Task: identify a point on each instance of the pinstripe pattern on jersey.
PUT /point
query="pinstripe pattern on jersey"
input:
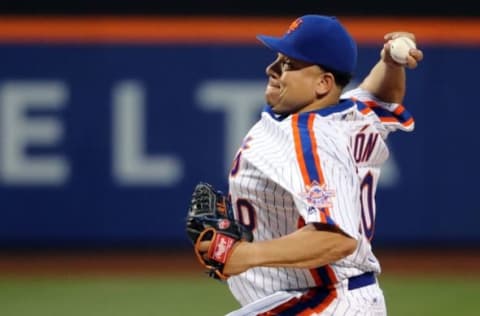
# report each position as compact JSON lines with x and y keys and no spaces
{"x":270,"y":178}
{"x":309,"y":162}
{"x":278,"y":217}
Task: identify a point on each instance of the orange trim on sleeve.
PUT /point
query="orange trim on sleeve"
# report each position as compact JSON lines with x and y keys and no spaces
{"x":395,"y":120}
{"x":399,"y":110}
{"x":366,"y":110}
{"x":239,"y":30}
{"x":408,"y":122}
{"x":370,"y":103}
{"x":389,"y":119}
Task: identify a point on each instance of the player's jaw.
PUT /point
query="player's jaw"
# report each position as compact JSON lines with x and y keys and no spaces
{"x":272,"y":92}
{"x":290,"y":95}
{"x":282,"y":99}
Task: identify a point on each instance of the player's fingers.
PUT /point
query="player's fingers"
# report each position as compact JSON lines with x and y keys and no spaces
{"x":414,"y":58}
{"x":203,"y":246}
{"x":389,"y":36}
{"x":394,"y":35}
{"x":417,"y":54}
{"x":386,"y":46}
{"x":411,"y":62}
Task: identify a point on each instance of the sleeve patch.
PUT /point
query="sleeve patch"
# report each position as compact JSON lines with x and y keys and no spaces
{"x":318,"y":195}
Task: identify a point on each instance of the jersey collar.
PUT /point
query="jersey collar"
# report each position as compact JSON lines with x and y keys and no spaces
{"x":340,"y":107}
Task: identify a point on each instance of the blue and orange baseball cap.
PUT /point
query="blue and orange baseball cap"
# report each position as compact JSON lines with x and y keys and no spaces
{"x":317,"y":39}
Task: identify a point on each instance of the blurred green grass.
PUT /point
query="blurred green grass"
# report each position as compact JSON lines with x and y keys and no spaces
{"x":122,"y":296}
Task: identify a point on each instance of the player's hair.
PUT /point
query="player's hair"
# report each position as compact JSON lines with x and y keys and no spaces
{"x":341,"y":78}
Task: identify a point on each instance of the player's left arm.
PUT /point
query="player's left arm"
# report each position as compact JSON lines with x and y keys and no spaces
{"x":311,"y":246}
{"x":387,"y":79}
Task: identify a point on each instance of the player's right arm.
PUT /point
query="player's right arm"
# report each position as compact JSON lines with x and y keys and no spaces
{"x":387,"y":79}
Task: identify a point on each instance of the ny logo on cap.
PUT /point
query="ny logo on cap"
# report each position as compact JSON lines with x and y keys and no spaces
{"x":295,"y":24}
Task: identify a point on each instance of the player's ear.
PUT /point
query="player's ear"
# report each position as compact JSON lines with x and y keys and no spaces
{"x":324,"y":83}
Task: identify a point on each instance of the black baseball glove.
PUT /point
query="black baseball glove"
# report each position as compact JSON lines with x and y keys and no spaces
{"x":210,"y":218}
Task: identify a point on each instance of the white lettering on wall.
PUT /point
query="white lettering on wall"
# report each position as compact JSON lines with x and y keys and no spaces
{"x":131,"y":165}
{"x":242,"y":103}
{"x":18,"y":131}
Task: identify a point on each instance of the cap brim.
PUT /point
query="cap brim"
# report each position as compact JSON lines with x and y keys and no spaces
{"x":274,"y":43}
{"x":279,"y":45}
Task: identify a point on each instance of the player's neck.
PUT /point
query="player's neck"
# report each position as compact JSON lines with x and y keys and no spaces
{"x":321,"y":103}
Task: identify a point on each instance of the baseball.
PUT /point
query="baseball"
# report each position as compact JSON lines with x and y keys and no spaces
{"x":400,"y":47}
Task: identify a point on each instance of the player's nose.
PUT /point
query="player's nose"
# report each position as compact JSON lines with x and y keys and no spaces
{"x":274,"y":69}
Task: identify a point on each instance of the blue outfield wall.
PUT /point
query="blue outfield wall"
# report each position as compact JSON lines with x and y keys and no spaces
{"x":101,"y":145}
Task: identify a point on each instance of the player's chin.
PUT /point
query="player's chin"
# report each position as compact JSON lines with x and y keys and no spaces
{"x":272,"y":98}
{"x":277,"y":108}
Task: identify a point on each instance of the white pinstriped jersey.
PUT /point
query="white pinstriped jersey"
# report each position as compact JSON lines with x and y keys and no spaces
{"x":315,"y":167}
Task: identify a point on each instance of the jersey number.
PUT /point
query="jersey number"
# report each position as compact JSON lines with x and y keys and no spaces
{"x":246,"y":212}
{"x":367,"y":203}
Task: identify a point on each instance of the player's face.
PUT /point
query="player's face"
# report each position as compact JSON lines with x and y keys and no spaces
{"x":291,"y":84}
